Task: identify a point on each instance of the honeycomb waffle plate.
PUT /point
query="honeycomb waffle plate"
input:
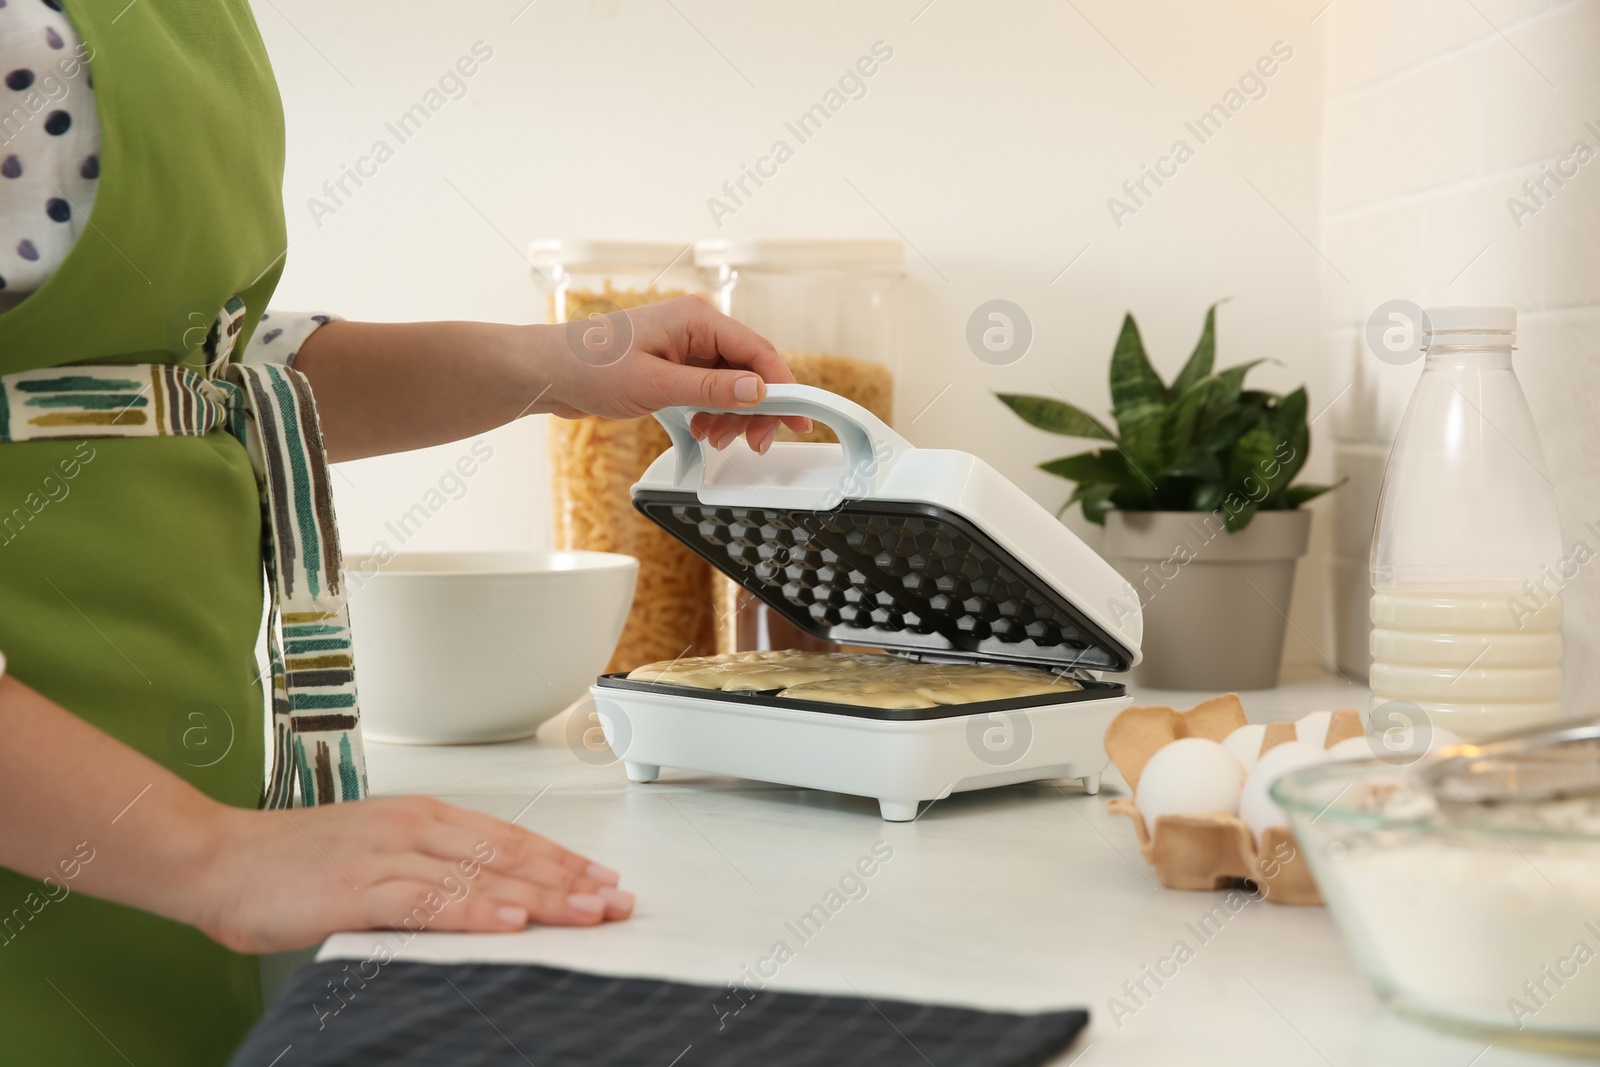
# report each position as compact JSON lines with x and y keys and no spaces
{"x":888,"y":574}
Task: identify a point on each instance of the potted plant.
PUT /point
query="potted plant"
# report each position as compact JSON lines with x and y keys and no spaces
{"x":1195,"y":490}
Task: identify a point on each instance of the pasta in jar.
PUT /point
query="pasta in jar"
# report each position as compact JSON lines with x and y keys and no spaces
{"x":593,"y":464}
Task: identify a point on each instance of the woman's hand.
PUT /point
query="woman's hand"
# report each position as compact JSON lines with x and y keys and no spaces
{"x":675,"y":352}
{"x":287,"y":879}
{"x":389,"y":387}
{"x":86,"y":813}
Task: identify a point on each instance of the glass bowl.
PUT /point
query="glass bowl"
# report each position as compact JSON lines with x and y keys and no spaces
{"x":1474,"y":914}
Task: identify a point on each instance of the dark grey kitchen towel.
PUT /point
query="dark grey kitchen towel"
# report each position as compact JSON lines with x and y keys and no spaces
{"x":467,"y":1015}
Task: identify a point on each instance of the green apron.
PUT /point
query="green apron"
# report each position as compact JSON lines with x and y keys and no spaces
{"x":130,"y":569}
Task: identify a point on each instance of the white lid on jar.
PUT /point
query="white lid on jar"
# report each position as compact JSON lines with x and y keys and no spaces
{"x":593,"y":252}
{"x":784,"y":253}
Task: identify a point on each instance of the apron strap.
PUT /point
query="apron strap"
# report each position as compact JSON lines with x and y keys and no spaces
{"x":316,"y":721}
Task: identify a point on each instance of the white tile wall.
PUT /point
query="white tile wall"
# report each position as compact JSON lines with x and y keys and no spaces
{"x":1474,"y":254}
{"x":1573,"y":239}
{"x":992,"y":151}
{"x":1425,"y":139}
{"x":1409,"y":133}
{"x":1455,"y":24}
{"x":1380,"y":251}
{"x":1357,"y":58}
{"x":1541,"y":85}
{"x":1400,"y":127}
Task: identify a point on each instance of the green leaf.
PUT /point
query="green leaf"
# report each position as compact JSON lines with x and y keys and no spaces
{"x":1096,"y":502}
{"x":1201,"y":463}
{"x":1220,"y":437}
{"x":1232,"y":380}
{"x":1206,"y":444}
{"x":1234,"y":521}
{"x":1199,"y":365}
{"x":1229,"y":406}
{"x":1077,"y":495}
{"x":1294,"y":441}
{"x":1253,"y":462}
{"x":1134,"y":382}
{"x":1136,"y":494}
{"x":1296,"y":495}
{"x":1292,"y":409}
{"x":1209,"y":497}
{"x":1103,"y":466}
{"x":1183,"y":416}
{"x":1142,"y":441}
{"x":1056,"y":416}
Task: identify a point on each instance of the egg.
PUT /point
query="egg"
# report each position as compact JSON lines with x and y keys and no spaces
{"x":1258,"y":810}
{"x":1245,"y":744}
{"x":1189,"y":776}
{"x":1351,"y":748}
{"x":1313,"y":728}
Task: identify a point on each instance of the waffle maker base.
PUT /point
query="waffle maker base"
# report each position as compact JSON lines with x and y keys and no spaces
{"x":898,"y":758}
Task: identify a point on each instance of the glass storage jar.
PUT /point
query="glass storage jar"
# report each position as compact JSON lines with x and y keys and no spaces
{"x":829,"y":307}
{"x":595,"y":461}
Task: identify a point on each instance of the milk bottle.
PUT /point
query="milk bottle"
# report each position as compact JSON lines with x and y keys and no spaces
{"x":1465,"y":557}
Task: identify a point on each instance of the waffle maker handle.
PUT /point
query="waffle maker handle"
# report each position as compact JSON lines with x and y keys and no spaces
{"x":871,"y":448}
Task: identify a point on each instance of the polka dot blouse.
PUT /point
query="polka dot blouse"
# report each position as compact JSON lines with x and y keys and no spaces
{"x":50,"y":163}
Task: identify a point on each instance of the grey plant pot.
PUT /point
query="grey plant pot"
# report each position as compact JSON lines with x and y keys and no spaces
{"x":1215,"y":604}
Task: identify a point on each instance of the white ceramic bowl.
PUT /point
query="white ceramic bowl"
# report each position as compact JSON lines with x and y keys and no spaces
{"x":465,"y":647}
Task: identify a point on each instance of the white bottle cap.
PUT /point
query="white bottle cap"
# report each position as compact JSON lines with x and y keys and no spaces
{"x":1472,"y":324}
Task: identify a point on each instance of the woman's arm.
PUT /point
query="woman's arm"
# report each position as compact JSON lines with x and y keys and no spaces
{"x":391,"y":387}
{"x":86,"y":813}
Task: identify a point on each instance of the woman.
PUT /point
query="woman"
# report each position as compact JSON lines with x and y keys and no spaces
{"x":131,"y":539}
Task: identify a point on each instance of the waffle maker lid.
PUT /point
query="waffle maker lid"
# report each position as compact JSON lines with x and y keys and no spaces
{"x":875,"y":542}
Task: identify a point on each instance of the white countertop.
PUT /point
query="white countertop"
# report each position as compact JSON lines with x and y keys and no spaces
{"x":1021,"y":898}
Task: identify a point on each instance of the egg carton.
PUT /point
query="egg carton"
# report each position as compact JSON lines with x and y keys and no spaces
{"x":1213,"y":850}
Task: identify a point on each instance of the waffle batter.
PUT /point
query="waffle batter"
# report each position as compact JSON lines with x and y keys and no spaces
{"x":757,"y":671}
{"x":926,"y":685}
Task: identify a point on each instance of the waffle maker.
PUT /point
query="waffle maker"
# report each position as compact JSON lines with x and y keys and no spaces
{"x":929,"y":554}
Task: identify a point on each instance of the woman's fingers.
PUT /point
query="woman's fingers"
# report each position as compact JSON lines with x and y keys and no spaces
{"x":714,"y":334}
{"x":717,"y":361}
{"x":450,"y":859}
{"x":500,"y":833}
{"x":725,"y":388}
{"x":418,"y":906}
{"x":524,"y":853}
{"x":722,"y":429}
{"x":739,"y":346}
{"x":760,"y":431}
{"x":557,"y":907}
{"x":725,"y":429}
{"x":490,"y":902}
{"x":415,"y":906}
{"x":404,"y":863}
